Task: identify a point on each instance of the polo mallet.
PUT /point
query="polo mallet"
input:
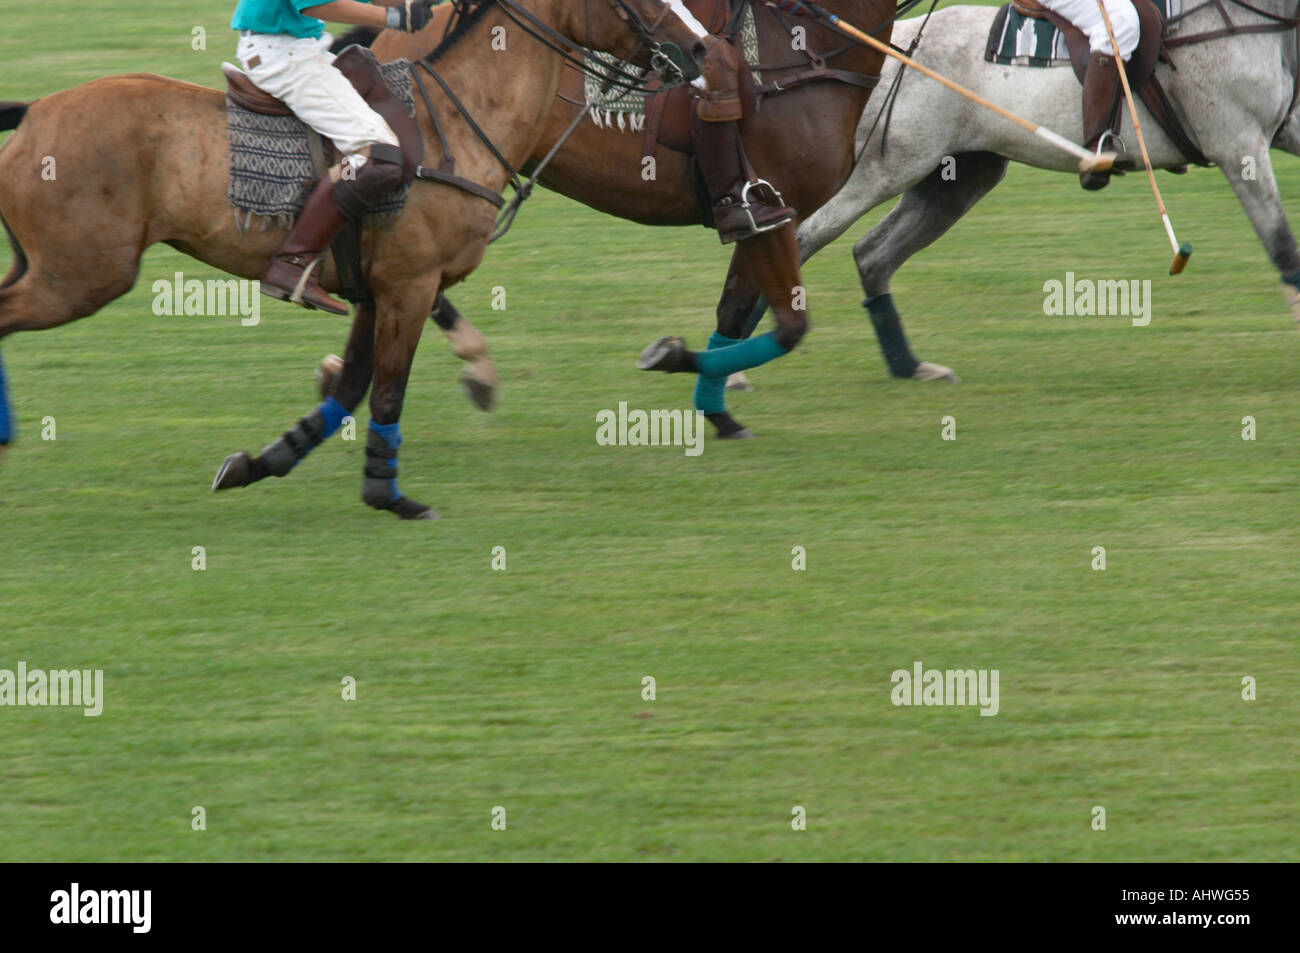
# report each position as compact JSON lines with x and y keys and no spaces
{"x":1181,"y":252}
{"x":1088,"y":161}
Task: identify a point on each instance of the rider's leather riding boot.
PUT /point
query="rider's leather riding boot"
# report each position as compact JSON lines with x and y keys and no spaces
{"x":331,"y":205}
{"x":743,"y":206}
{"x":1102,"y":97}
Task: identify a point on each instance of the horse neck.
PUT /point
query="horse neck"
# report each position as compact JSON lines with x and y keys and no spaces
{"x":866,"y":15}
{"x":507,"y":92}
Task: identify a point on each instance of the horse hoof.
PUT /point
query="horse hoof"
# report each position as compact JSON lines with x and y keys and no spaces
{"x":480,"y":393}
{"x":925,"y":371}
{"x":728,"y":427}
{"x":667,"y":354}
{"x":234,"y":471}
{"x":331,"y":366}
{"x":738,"y":381}
{"x":407,"y":509}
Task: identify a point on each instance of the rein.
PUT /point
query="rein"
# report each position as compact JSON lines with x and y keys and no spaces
{"x":1276,"y":24}
{"x":661,"y":62}
{"x":818,"y":70}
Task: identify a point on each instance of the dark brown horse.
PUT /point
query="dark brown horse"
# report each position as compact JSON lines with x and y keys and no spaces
{"x":800,"y":138}
{"x":143,"y":159}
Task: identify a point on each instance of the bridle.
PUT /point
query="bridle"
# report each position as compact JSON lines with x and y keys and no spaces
{"x":666,"y":59}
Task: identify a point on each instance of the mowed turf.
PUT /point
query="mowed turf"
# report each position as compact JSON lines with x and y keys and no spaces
{"x":523,"y":689}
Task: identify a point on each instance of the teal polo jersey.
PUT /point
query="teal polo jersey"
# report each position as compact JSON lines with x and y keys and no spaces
{"x":279,"y":16}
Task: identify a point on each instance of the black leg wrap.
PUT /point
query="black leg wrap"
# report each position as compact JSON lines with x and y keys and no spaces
{"x":283,"y":455}
{"x":376,"y":488}
{"x":889,"y":331}
{"x":444,"y":314}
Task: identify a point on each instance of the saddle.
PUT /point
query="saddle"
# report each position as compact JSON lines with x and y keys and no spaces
{"x":1140,"y":67}
{"x":668,"y":112}
{"x":361,"y":68}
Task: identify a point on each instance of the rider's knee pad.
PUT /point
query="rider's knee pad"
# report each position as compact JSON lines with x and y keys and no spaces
{"x":382,"y":173}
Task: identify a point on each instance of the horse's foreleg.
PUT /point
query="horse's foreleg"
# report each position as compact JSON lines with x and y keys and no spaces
{"x":925,"y":212}
{"x":479,"y":379}
{"x":770,"y":263}
{"x":1262,"y":203}
{"x":397,"y":334}
{"x":343,"y":392}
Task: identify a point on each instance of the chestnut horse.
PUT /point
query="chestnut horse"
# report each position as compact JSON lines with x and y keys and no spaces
{"x":800,"y":138}
{"x":143,"y":159}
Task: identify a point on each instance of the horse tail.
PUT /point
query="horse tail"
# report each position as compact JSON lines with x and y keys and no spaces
{"x":357,"y":36}
{"x":11,"y":114}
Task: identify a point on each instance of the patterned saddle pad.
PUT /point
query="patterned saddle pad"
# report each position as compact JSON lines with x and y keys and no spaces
{"x":624,"y":110}
{"x":275,"y":160}
{"x":1018,"y":40}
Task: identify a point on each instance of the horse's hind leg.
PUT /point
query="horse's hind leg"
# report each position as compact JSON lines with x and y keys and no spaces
{"x":343,"y":392}
{"x":49,"y":284}
{"x":925,"y":212}
{"x":1262,"y":203}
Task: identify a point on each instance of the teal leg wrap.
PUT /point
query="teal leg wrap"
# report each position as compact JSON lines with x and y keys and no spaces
{"x":724,"y":361}
{"x":711,"y":392}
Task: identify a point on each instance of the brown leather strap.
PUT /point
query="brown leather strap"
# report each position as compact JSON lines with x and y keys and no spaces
{"x":460,"y":182}
{"x":654,"y":117}
{"x":861,"y":80}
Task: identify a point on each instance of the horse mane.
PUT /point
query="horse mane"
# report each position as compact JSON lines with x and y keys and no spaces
{"x":357,"y":36}
{"x":464,"y":23}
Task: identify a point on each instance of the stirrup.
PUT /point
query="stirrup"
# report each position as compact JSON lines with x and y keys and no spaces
{"x":1118,"y":148}
{"x":296,"y":296}
{"x":754,"y":228}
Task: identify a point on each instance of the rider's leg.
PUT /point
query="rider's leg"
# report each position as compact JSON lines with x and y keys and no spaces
{"x":300,"y":72}
{"x":740,"y":209}
{"x":1102,"y":93}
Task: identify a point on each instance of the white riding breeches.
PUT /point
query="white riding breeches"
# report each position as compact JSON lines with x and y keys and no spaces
{"x":301,"y":73}
{"x":1085,"y":15}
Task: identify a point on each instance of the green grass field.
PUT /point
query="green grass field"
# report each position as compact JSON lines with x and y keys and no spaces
{"x":522,"y":689}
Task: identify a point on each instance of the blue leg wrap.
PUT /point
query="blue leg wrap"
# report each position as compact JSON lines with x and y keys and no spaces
{"x":6,"y":418}
{"x":711,"y":392}
{"x":725,"y":361}
{"x":391,"y":436}
{"x":332,"y":413}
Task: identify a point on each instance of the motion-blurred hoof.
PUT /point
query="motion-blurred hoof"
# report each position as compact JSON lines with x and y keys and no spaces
{"x":233,"y":472}
{"x":743,"y":433}
{"x":925,"y":371}
{"x":738,"y":381}
{"x":331,"y":366}
{"x":407,"y":509}
{"x":667,"y":354}
{"x":480,"y":393}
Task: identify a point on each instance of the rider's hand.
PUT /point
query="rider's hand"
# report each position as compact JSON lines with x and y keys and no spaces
{"x":412,"y":16}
